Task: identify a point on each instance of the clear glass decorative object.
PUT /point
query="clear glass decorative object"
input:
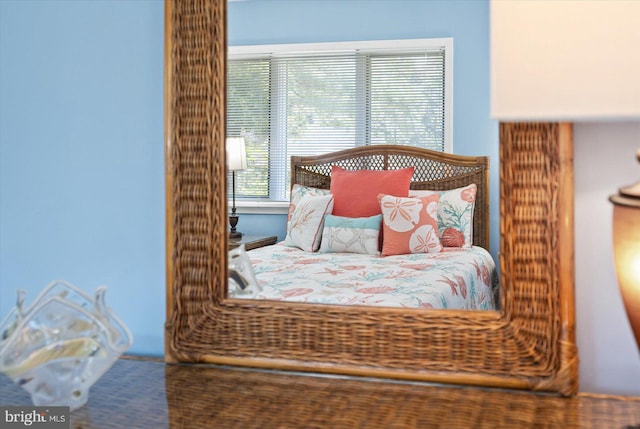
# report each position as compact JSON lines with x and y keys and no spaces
{"x":242,"y":278}
{"x":61,"y":344}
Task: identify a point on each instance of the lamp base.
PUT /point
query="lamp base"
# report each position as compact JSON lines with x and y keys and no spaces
{"x":626,"y":250}
{"x":233,"y":221}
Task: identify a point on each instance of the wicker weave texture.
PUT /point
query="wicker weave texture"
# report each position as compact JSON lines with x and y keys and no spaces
{"x":196,"y":171}
{"x":248,"y":399}
{"x":529,"y":344}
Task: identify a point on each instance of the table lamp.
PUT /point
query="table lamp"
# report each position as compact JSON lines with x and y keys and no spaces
{"x":575,"y":61}
{"x":236,"y":161}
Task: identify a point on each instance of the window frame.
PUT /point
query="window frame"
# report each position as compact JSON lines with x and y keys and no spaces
{"x":239,"y":52}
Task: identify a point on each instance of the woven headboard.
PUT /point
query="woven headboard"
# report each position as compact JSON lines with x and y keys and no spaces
{"x":433,"y":170}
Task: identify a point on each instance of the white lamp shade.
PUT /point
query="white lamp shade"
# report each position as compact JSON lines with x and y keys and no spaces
{"x":236,"y":154}
{"x":565,"y":60}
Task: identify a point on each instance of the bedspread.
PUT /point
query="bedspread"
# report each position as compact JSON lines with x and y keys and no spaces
{"x":452,"y":279}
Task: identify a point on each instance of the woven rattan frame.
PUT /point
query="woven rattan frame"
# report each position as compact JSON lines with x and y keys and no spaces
{"x":530,"y":344}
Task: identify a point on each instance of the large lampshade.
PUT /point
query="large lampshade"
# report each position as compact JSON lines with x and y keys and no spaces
{"x":564,"y":60}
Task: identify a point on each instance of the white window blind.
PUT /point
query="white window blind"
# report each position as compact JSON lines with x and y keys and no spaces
{"x":316,"y":101}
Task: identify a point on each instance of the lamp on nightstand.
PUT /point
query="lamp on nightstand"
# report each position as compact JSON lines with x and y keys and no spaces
{"x":236,"y":161}
{"x":626,"y":249}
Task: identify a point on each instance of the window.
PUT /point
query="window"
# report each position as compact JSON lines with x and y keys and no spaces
{"x":312,"y":99}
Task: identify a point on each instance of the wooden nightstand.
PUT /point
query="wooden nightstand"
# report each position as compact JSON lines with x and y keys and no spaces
{"x":253,"y":241}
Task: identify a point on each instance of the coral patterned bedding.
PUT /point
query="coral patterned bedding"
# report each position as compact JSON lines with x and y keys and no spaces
{"x":455,"y":278}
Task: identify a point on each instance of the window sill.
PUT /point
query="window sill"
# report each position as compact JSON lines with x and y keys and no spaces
{"x":261,"y":207}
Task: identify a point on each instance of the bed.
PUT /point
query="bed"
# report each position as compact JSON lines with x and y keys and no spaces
{"x":383,"y":225}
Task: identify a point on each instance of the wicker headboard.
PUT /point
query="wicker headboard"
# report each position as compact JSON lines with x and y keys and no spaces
{"x":433,"y":170}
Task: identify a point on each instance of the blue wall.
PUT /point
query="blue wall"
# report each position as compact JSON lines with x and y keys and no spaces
{"x":81,"y":155}
{"x":81,"y":131}
{"x":288,"y":21}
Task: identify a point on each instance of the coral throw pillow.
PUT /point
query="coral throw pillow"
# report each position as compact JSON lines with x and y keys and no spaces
{"x":355,"y":192}
{"x":455,"y":214}
{"x":410,"y":225}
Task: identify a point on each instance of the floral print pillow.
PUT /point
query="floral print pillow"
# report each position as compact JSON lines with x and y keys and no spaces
{"x":410,"y":225}
{"x":455,"y":214}
{"x":304,"y":229}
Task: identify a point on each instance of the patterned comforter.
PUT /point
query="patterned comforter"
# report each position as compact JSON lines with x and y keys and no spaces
{"x":452,"y":279}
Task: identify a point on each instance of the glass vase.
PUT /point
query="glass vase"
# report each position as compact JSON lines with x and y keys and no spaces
{"x":59,"y":346}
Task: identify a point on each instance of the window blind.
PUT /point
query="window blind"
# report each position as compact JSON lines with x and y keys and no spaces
{"x":314,"y":103}
{"x":248,"y":115}
{"x":406,"y":105}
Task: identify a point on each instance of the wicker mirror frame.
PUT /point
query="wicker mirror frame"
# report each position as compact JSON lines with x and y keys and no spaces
{"x":529,"y":344}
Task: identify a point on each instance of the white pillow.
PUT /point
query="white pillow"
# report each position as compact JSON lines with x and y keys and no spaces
{"x":351,"y":234}
{"x":298,"y":192}
{"x":304,"y":229}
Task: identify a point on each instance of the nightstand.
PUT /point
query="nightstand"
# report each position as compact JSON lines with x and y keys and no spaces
{"x":253,"y":241}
